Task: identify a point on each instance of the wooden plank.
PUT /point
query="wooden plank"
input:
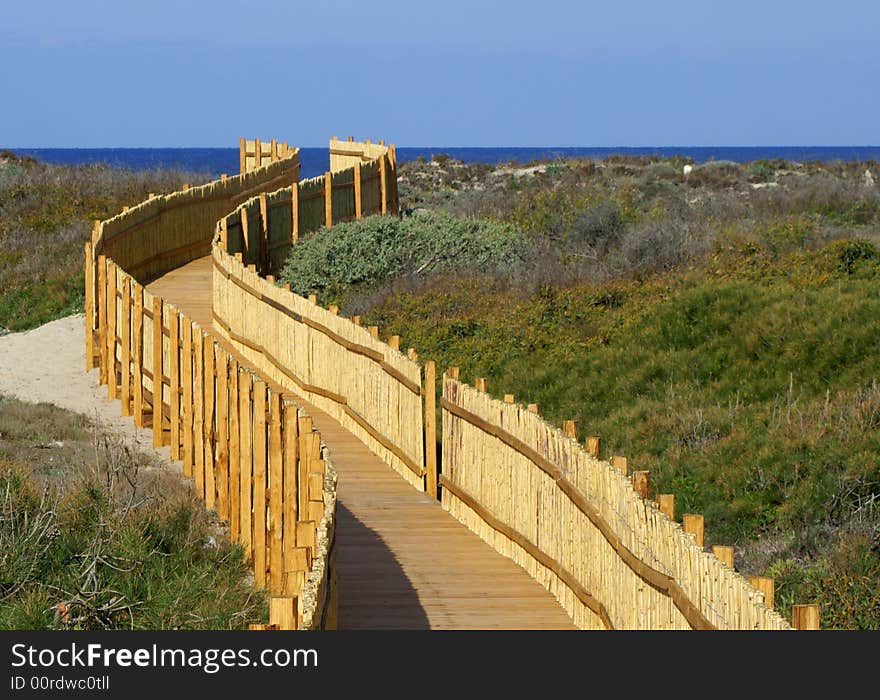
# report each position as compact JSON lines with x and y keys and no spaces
{"x":383,"y":184}
{"x":102,"y":317}
{"x":277,"y":494}
{"x":358,"y":208}
{"x":137,"y":355}
{"x":304,"y":457}
{"x":282,"y":612}
{"x":112,"y":379}
{"x":176,"y":409}
{"x":198,"y":421}
{"x":291,"y":476}
{"x":431,"y":471}
{"x":245,"y":474}
{"x":242,"y":156}
{"x":158,"y":369}
{"x":234,"y":452}
{"x":259,"y":478}
{"x":125,"y":335}
{"x":210,"y":383}
{"x":186,"y":390}
{"x":328,"y":199}
{"x":221,"y":365}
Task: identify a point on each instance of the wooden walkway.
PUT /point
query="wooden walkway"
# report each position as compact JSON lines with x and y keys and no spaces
{"x":403,"y":562}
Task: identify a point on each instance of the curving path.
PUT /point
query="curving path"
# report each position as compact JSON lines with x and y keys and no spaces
{"x":403,"y":562}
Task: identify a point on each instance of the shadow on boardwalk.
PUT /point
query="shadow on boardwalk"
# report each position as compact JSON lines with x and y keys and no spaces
{"x":374,"y":591}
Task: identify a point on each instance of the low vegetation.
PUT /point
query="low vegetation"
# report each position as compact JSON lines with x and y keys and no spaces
{"x":717,"y":328}
{"x":96,"y":536}
{"x":46,"y":214}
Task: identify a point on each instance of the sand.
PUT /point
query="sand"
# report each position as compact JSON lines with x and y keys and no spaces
{"x":47,"y":365}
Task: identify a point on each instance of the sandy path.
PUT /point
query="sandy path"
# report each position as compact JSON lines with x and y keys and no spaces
{"x":47,"y":365}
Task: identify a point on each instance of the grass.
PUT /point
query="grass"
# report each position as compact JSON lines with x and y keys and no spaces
{"x":96,"y":536}
{"x":45,"y":218}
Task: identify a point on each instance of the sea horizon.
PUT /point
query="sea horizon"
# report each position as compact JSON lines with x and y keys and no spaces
{"x":215,"y":161}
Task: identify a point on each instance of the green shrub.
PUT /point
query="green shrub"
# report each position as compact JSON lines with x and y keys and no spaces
{"x":374,"y":249}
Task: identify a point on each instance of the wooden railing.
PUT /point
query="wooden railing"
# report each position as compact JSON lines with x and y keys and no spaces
{"x":252,"y":453}
{"x":611,"y":557}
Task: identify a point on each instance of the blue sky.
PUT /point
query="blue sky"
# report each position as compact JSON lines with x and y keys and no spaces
{"x":97,"y":73}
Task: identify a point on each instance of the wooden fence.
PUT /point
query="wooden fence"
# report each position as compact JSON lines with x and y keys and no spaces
{"x":611,"y":556}
{"x":368,"y":385}
{"x":361,"y":182}
{"x":252,"y":454}
{"x":255,"y":154}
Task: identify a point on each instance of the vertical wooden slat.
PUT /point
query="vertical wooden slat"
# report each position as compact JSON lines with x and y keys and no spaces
{"x":259,"y":489}
{"x":291,"y":461}
{"x":242,"y":156}
{"x":328,"y":199}
{"x":282,"y":612}
{"x":223,"y":408}
{"x":358,"y":207}
{"x":383,"y":184}
{"x":157,"y":369}
{"x":174,"y":350}
{"x":245,"y":474}
{"x":137,"y":355}
{"x":431,"y":428}
{"x":264,"y":235}
{"x":111,"y":331}
{"x":277,"y":494}
{"x":198,"y":420}
{"x":294,"y":213}
{"x":210,"y":381}
{"x":234,"y":452}
{"x":102,"y":316}
{"x":186,"y":388}
{"x":258,"y":154}
{"x":125,"y":342}
{"x":304,"y":456}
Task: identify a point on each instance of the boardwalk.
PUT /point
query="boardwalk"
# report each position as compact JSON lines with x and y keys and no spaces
{"x":403,"y":562}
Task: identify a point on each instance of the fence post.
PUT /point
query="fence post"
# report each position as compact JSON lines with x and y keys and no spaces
{"x":234,"y":452}
{"x":210,"y":381}
{"x":221,"y":365}
{"x":593,"y":445}
{"x":621,"y":464}
{"x":158,"y":382}
{"x":245,"y":474}
{"x":641,"y":481}
{"x":294,"y":212}
{"x":260,"y":448}
{"x":282,"y":612}
{"x":534,"y":408}
{"x":666,"y":501}
{"x":694,"y":525}
{"x":328,"y":199}
{"x":137,"y":337}
{"x":242,"y":155}
{"x":383,"y":185}
{"x":111,"y":330}
{"x":290,"y":437}
{"x":305,"y":454}
{"x":264,"y":235}
{"x":102,"y":317}
{"x":394,"y":342}
{"x":570,"y":428}
{"x":277,"y":494}
{"x":125,"y":334}
{"x":724,"y":553}
{"x":767,"y":586}
{"x":174,"y":350}
{"x":358,"y":206}
{"x":258,"y":153}
{"x":431,"y":428}
{"x":186,"y":386}
{"x":805,"y":617}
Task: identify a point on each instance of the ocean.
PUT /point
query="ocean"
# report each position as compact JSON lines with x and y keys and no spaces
{"x":215,"y":161}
